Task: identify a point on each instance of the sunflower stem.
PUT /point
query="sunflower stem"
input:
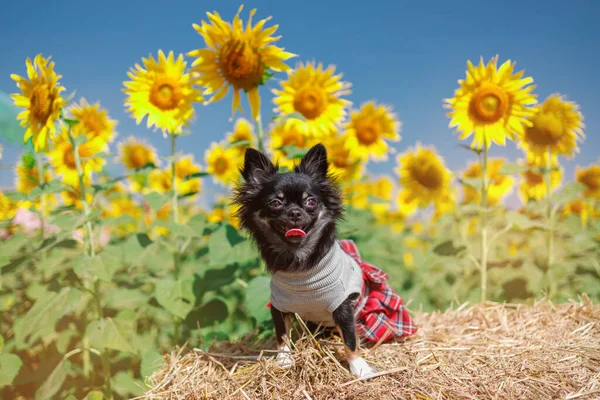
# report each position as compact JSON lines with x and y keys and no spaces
{"x":42,"y":179}
{"x":260,"y":133}
{"x":175,"y":207}
{"x":484,"y":231}
{"x":549,"y":213}
{"x":92,"y":252}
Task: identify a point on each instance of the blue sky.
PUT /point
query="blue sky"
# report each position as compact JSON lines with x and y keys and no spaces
{"x":405,"y":54}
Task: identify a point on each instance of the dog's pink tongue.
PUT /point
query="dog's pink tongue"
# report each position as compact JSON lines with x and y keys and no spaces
{"x":295,"y":232}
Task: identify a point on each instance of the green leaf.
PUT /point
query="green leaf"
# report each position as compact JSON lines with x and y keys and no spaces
{"x":195,"y":175}
{"x":476,"y":151}
{"x":447,"y":248}
{"x":176,"y":296}
{"x":120,"y":220}
{"x":151,"y":361}
{"x":70,"y":122}
{"x":7,"y":301}
{"x":67,"y":222}
{"x":521,"y":221}
{"x":104,"y":334}
{"x":102,"y":267}
{"x":156,"y":200}
{"x":145,"y":167}
{"x":293,"y":115}
{"x":474,"y":183}
{"x":94,"y":395}
{"x":12,"y":247}
{"x":197,"y":224}
{"x":239,"y":143}
{"x":120,"y":298}
{"x":512,"y":169}
{"x":257,"y":296}
{"x":46,"y":188}
{"x":293,"y":151}
{"x":47,"y":310}
{"x":16,"y":196}
{"x":54,"y":382}
{"x":126,"y":386}
{"x":1,"y":343}
{"x":10,"y":364}
{"x":568,"y":193}
{"x":226,"y":247}
{"x":177,"y":229}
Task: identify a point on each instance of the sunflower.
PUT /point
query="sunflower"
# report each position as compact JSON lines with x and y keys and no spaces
{"x":316,"y":93}
{"x":342,"y":165}
{"x":557,"y":127}
{"x":27,"y":175}
{"x":396,"y":218}
{"x":367,"y":130}
{"x":120,"y":206}
{"x":283,"y":135}
{"x":163,"y":91}
{"x":533,"y":182}
{"x":243,"y":131}
{"x":579,"y":207}
{"x":224,"y":211}
{"x":223,"y":164}
{"x":590,"y":177}
{"x":492,"y":103}
{"x":62,"y":158}
{"x":499,"y":185}
{"x":236,"y":57}
{"x":135,"y":153}
{"x":161,"y":180}
{"x":445,"y":204}
{"x":8,"y":207}
{"x":41,"y":99}
{"x":94,"y":121}
{"x":422,"y":173}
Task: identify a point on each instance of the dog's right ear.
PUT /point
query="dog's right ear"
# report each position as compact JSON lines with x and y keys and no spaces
{"x":257,"y":167}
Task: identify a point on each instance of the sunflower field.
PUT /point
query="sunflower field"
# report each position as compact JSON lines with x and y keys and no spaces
{"x":102,"y":274}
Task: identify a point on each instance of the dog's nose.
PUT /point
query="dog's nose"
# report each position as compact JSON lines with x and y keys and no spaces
{"x":294,"y":214}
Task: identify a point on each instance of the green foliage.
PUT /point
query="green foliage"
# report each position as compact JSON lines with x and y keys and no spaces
{"x":70,"y":313}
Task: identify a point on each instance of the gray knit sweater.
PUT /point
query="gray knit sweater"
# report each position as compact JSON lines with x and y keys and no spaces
{"x":315,"y":293}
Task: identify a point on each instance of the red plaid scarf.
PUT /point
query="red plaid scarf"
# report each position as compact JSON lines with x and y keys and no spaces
{"x":383,"y":316}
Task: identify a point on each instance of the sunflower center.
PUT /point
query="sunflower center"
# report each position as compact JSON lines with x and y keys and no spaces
{"x":489,"y":104}
{"x":221,"y":165}
{"x":533,"y":178}
{"x":165,"y":95}
{"x":367,"y":132}
{"x":69,"y":158}
{"x":590,"y":181}
{"x":310,"y":103}
{"x":241,"y":64}
{"x":547,"y":129}
{"x":41,"y":103}
{"x":93,"y":126}
{"x":428,"y":176}
{"x":138,"y":157}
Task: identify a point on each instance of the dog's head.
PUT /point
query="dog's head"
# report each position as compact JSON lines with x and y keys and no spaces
{"x":291,"y":216}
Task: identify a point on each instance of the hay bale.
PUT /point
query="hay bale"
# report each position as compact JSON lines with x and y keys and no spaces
{"x":487,"y":351}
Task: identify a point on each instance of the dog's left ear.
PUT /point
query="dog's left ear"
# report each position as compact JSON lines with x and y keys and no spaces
{"x":257,"y":167}
{"x":314,"y":162}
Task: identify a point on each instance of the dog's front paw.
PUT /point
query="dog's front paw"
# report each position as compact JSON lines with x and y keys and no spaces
{"x":284,"y":360}
{"x":360,"y":368}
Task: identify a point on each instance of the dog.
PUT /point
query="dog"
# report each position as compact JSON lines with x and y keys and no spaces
{"x":291,"y":217}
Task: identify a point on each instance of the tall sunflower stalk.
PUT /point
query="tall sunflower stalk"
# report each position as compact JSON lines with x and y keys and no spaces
{"x":175,"y":206}
{"x":40,"y":167}
{"x":549,"y":213}
{"x":89,"y":240}
{"x":484,"y":228}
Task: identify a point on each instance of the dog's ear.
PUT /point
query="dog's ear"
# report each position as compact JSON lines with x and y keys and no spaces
{"x":257,"y":167}
{"x":314,"y":162}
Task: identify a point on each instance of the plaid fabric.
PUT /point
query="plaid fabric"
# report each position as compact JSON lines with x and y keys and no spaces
{"x":383,"y":316}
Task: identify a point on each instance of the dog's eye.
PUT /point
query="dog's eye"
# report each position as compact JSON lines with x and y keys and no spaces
{"x":310,"y":202}
{"x":275,"y":204}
